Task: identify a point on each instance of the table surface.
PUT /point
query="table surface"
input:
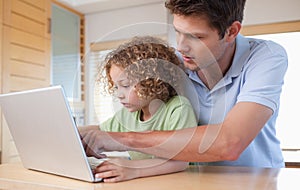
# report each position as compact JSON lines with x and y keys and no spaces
{"x":15,"y":176}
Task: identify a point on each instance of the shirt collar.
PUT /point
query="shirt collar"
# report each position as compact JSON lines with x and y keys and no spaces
{"x":242,"y":52}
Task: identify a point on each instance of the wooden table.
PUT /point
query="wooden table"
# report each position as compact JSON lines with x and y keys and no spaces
{"x":14,"y":176}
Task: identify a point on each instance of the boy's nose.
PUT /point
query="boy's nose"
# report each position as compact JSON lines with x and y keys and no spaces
{"x":120,"y":95}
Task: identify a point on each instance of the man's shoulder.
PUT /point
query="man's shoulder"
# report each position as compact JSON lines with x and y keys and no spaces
{"x":266,"y":46}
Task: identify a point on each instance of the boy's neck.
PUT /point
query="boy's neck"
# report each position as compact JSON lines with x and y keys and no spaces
{"x":148,"y":111}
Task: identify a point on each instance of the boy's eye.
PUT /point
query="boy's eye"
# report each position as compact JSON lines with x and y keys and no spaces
{"x":125,"y":86}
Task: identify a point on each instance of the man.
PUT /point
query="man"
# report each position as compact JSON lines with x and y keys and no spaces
{"x":238,"y":81}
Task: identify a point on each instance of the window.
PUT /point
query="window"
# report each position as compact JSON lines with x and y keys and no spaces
{"x":288,"y":35}
{"x":288,"y":116}
{"x":99,"y":107}
{"x":65,"y":40}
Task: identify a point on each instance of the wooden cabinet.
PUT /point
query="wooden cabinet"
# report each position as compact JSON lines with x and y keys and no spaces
{"x":1,"y":21}
{"x":24,"y":54}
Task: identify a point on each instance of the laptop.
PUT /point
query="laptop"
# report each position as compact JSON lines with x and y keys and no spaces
{"x":45,"y":134}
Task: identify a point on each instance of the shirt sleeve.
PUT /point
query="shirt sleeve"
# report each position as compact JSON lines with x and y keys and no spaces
{"x":182,"y":115}
{"x":113,"y":124}
{"x":263,"y":80}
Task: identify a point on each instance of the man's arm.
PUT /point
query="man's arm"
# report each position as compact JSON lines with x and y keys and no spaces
{"x":225,"y":141}
{"x":88,"y":127}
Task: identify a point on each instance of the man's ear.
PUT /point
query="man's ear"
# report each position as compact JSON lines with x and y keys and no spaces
{"x":233,"y":31}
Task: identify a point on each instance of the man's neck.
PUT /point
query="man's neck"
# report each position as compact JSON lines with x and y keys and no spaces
{"x":211,"y":75}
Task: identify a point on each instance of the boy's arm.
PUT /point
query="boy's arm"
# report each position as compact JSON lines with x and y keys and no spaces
{"x":121,"y":170}
{"x":160,"y":166}
{"x":88,"y":127}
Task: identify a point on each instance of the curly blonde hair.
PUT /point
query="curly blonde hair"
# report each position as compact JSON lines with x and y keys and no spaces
{"x":149,"y":63}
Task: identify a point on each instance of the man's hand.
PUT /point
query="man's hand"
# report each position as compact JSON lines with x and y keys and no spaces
{"x":96,"y":141}
{"x":92,"y":143}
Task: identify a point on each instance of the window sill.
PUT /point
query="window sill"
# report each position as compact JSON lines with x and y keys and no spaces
{"x":292,"y":158}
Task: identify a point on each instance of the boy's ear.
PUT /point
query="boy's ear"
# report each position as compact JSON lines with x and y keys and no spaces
{"x":233,"y":31}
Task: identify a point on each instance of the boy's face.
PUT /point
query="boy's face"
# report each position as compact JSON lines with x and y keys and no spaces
{"x":125,"y":91}
{"x":199,"y":43}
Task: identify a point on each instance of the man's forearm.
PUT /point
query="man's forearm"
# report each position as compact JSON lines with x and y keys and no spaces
{"x":219,"y":142}
{"x":166,"y":144}
{"x":178,"y":145}
{"x":190,"y":144}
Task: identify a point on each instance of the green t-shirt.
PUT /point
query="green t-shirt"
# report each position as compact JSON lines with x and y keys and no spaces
{"x":177,"y":113}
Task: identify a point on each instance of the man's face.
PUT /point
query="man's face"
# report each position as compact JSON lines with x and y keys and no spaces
{"x":199,"y":43}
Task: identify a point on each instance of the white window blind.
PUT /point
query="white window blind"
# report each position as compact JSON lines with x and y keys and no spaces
{"x":65,"y":72}
{"x":100,"y":106}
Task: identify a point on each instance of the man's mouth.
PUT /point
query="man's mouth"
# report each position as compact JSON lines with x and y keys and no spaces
{"x":186,"y":58}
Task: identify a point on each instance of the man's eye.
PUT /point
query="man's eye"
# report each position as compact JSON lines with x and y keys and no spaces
{"x":193,"y":36}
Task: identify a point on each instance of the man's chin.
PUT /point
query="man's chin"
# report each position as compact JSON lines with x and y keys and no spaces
{"x":191,"y":66}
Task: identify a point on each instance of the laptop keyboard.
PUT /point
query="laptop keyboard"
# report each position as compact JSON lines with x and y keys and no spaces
{"x":94,"y":162}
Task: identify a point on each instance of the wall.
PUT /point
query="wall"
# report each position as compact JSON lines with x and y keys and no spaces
{"x":25,"y":60}
{"x":119,"y":24}
{"x":270,"y":11}
{"x":124,"y":23}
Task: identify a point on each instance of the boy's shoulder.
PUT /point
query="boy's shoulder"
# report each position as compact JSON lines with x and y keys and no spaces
{"x":179,"y":98}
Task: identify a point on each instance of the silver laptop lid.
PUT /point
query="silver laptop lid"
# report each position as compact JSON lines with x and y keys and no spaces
{"x":44,"y":132}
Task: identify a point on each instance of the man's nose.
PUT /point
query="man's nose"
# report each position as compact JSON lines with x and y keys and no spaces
{"x":182,"y":45}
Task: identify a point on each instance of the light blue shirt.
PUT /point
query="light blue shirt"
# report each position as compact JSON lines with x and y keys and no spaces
{"x":256,"y":75}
